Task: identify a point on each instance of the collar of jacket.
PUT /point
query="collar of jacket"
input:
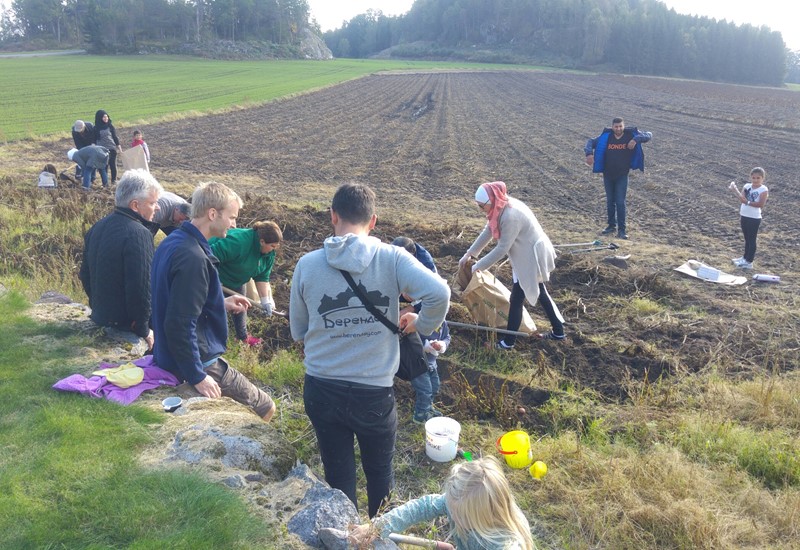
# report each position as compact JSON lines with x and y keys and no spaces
{"x":135,"y":216}
{"x":189,"y":228}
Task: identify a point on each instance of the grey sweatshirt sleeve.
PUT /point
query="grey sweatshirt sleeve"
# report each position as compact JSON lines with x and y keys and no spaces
{"x":298,"y":309}
{"x":420,"y":283}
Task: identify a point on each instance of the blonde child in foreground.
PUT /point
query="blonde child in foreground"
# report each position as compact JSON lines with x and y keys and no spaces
{"x":478,"y":502}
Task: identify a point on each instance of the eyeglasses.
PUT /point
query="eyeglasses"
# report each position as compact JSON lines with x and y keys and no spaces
{"x":481,"y":205}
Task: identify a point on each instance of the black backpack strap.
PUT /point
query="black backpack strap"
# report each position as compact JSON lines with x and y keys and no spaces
{"x":367,"y":304}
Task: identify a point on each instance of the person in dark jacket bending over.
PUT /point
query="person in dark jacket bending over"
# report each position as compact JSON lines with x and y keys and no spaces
{"x":83,"y":136}
{"x":614,"y":153}
{"x":117,"y":255}
{"x":191,"y":328}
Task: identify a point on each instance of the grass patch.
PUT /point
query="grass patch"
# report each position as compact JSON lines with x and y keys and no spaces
{"x":42,"y":95}
{"x":69,"y":473}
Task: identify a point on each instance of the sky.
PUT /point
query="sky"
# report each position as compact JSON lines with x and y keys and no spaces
{"x":779,"y":15}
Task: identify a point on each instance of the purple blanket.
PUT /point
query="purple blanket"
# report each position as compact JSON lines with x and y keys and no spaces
{"x":98,"y":386}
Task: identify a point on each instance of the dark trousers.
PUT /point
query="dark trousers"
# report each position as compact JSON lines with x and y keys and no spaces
{"x":516,"y":302}
{"x":112,"y":163}
{"x":340,"y":410}
{"x":240,"y":319}
{"x":616,"y":190}
{"x":750,"y":231}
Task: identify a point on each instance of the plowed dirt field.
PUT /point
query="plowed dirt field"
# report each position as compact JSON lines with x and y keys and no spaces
{"x":424,"y":141}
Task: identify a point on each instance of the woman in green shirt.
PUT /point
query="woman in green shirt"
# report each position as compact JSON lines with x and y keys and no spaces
{"x":244,"y":254}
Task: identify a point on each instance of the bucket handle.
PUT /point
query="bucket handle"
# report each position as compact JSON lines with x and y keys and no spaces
{"x":500,"y":449}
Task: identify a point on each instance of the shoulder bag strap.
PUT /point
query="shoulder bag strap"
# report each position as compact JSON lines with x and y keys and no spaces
{"x":367,"y":304}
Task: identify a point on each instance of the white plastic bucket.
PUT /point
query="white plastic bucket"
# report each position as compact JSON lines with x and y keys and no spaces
{"x":441,"y":438}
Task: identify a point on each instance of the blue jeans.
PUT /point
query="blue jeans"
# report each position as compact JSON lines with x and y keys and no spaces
{"x":616,"y":189}
{"x":88,"y":176}
{"x":339,"y":410}
{"x":426,"y":386}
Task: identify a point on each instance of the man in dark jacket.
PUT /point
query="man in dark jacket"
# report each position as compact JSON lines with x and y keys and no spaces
{"x":614,"y":153}
{"x":189,"y":320}
{"x":117,"y":256}
{"x":82,"y":135}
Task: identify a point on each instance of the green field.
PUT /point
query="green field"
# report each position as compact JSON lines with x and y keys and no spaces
{"x":45,"y":95}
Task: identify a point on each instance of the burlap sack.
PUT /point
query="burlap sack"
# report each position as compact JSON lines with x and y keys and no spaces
{"x":464,"y":275}
{"x":487,"y":300}
{"x":133,"y":158}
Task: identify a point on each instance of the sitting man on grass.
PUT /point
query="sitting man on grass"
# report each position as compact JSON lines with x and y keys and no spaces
{"x":117,"y":254}
{"x":189,"y":318}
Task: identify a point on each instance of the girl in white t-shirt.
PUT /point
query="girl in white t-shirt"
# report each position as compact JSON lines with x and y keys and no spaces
{"x":753,"y":197}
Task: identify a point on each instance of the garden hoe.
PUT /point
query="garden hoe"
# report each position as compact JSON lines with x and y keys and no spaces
{"x":593,"y":243}
{"x":253,"y":303}
{"x":488,"y":329}
{"x":609,"y":246}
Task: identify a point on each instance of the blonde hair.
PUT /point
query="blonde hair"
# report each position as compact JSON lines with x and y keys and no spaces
{"x":480,"y":501}
{"x":212,"y":195}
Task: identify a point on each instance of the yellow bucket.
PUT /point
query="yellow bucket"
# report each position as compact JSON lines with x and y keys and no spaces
{"x":516,"y":449}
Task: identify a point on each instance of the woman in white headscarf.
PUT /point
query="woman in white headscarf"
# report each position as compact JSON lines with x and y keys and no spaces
{"x":520,"y":236}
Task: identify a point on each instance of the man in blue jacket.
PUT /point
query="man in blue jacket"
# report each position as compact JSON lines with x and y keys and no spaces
{"x":189,"y":320}
{"x":614,"y":153}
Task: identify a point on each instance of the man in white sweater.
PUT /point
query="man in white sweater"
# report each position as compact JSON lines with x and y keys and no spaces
{"x":350,"y":356}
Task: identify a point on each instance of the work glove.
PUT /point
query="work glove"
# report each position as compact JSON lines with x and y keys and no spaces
{"x":266,"y":306}
{"x":427,"y":348}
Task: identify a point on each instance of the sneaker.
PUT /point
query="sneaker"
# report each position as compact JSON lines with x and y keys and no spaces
{"x":502,"y":345}
{"x":252,"y":341}
{"x":622,"y":235}
{"x":609,"y":230}
{"x":746,"y":265}
{"x":550,"y":336}
{"x":427,"y":415}
{"x":738,"y":261}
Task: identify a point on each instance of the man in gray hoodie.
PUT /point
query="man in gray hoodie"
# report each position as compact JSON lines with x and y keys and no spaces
{"x":350,"y":356}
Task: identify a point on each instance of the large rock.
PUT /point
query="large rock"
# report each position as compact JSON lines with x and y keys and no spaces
{"x":225,"y":440}
{"x":313,"y":46}
{"x":310,"y":505}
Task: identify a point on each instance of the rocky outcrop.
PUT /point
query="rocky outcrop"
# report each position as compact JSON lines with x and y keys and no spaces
{"x":312,"y":46}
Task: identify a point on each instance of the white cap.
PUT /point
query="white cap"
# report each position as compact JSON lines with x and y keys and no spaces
{"x":71,"y":153}
{"x":481,"y":195}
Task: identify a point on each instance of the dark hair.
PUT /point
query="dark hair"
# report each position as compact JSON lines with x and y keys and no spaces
{"x":408,"y":244}
{"x":617,"y":120}
{"x":759,"y":170}
{"x":354,"y":203}
{"x":269,"y":232}
{"x":50,"y":168}
{"x":137,"y":132}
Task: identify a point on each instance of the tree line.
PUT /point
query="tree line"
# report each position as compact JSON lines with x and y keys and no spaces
{"x":121,"y":25}
{"x":632,"y":36}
